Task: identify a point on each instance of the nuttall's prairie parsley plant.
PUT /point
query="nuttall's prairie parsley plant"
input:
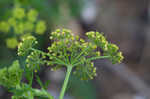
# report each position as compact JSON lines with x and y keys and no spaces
{"x":70,"y":51}
{"x":21,"y":23}
{"x":67,"y":50}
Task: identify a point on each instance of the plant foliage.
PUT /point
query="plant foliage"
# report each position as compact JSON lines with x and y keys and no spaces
{"x":68,"y":51}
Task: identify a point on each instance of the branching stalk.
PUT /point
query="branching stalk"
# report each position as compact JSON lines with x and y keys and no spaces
{"x":69,"y":69}
{"x":92,"y":58}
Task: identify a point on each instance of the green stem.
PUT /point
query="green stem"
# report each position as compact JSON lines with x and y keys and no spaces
{"x":58,"y":60}
{"x":80,"y":55}
{"x":92,"y":58}
{"x":31,"y":79}
{"x":98,"y":57}
{"x":69,"y":69}
{"x":33,"y":49}
{"x":42,"y":92}
{"x":65,"y":54}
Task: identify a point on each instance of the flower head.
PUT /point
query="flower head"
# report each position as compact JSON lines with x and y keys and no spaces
{"x":18,"y":12}
{"x":32,"y":15}
{"x":11,"y":42}
{"x":25,"y":46}
{"x":40,"y":27}
{"x":108,"y":49}
{"x":70,"y":49}
{"x":4,"y":26}
{"x":22,"y":22}
{"x":34,"y":60}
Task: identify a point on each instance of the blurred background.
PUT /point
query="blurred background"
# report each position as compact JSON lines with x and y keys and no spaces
{"x":124,"y":22}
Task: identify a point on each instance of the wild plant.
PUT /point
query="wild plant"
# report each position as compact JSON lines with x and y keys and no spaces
{"x":66,"y":51}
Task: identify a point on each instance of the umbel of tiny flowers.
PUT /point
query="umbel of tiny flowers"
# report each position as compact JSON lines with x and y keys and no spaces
{"x":20,"y":24}
{"x":72,"y":52}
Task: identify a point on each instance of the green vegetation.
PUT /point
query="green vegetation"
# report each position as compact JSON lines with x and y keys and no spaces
{"x":67,"y":51}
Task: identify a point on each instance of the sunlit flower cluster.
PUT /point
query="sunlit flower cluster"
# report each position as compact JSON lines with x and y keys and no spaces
{"x":12,"y":42}
{"x":22,"y":22}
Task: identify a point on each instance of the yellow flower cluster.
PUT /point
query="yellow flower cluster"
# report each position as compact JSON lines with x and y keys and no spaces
{"x":71,"y":49}
{"x":68,"y":50}
{"x":26,"y":44}
{"x":20,"y":23}
{"x":11,"y":42}
{"x":109,"y":49}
